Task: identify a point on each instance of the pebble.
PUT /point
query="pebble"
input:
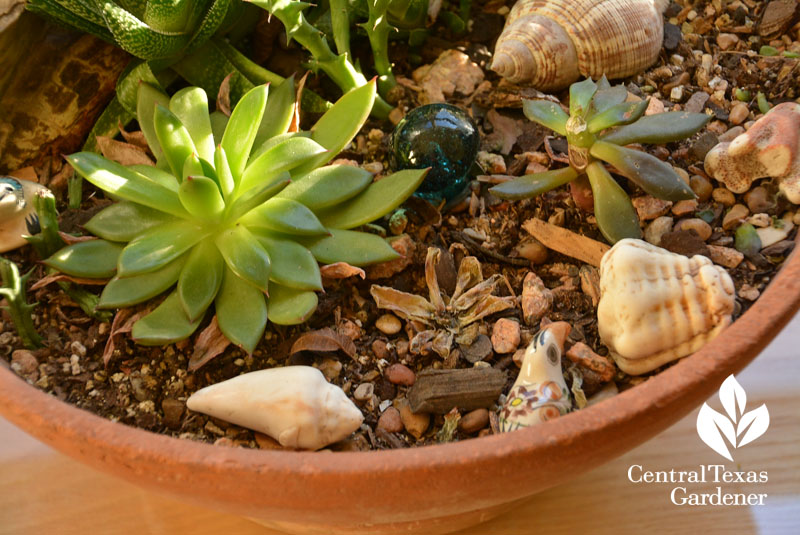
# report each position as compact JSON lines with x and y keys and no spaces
{"x":685,"y":207}
{"x":672,"y":36}
{"x":758,"y":200}
{"x":738,"y":113}
{"x":701,"y":187}
{"x":364,"y":391}
{"x":388,"y":324}
{"x":725,"y":256}
{"x":536,"y":299}
{"x":702,"y":145}
{"x":75,"y":364}
{"x":748,"y":292}
{"x":491,"y":163}
{"x":727,"y":41}
{"x":684,"y":242}
{"x":731,"y":134}
{"x":724,"y":196}
{"x":759,"y":220}
{"x":25,"y":364}
{"x":478,"y":350}
{"x":400,"y":374}
{"x":330,"y":368}
{"x":648,"y":207}
{"x":390,"y":420}
{"x":173,"y":411}
{"x":474,"y":421}
{"x":700,"y":227}
{"x":657,"y":228}
{"x":697,"y":102}
{"x":505,"y":336}
{"x":676,"y":94}
{"x":735,"y":216}
{"x":519,"y":356}
{"x":416,"y":423}
{"x":772,"y":235}
{"x":381,"y":350}
{"x":654,"y":107}
{"x":532,"y":250}
{"x":350,"y":329}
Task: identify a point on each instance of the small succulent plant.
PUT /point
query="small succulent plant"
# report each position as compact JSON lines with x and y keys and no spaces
{"x":238,"y":219}
{"x":600,"y":122}
{"x":13,"y":291}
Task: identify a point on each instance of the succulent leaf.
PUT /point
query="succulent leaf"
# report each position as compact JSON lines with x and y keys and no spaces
{"x":658,"y":128}
{"x":292,"y":264}
{"x":224,"y":175}
{"x":147,"y":99}
{"x":128,"y":291}
{"x":285,"y":215}
{"x":255,"y":197}
{"x":278,"y":113}
{"x":210,"y":23}
{"x":535,"y":184}
{"x":158,"y":246}
{"x":546,"y":113}
{"x":124,"y":221}
{"x":620,"y":114}
{"x":200,"y":279}
{"x":159,"y":176}
{"x":580,"y":97}
{"x":190,"y":105}
{"x":241,"y":311}
{"x":608,"y":97}
{"x":201,"y":197}
{"x":355,"y":248}
{"x":377,"y":200}
{"x":616,"y":217}
{"x":92,"y":259}
{"x":283,"y":157}
{"x":137,"y":38}
{"x":651,"y":174}
{"x":164,"y":325}
{"x":242,"y":129}
{"x":327,"y":186}
{"x":245,"y":256}
{"x":174,"y":139}
{"x":167,"y":15}
{"x":290,"y":306}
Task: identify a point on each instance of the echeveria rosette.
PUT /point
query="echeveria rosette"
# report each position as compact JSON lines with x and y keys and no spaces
{"x":239,"y":220}
{"x":599,"y":123}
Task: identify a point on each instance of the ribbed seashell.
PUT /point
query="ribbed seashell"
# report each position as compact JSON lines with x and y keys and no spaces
{"x":657,"y":306}
{"x":539,"y":394}
{"x":295,"y":405}
{"x":16,"y":211}
{"x":551,"y":43}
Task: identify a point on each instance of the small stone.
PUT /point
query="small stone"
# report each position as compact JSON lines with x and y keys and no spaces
{"x":380,"y":349}
{"x":590,"y":283}
{"x":478,"y":350}
{"x":536,"y":299}
{"x":648,"y":207}
{"x":173,"y":412}
{"x":696,"y":102}
{"x":654,"y":107}
{"x":77,"y":348}
{"x":726,"y":41}
{"x":684,"y":242}
{"x":672,"y":36}
{"x":396,"y":115}
{"x":774,"y":234}
{"x":25,"y":364}
{"x":388,"y":324}
{"x":266,"y":442}
{"x":330,"y":368}
{"x":759,"y":200}
{"x":739,"y":113}
{"x":474,"y":421}
{"x":676,"y":94}
{"x":532,"y":250}
{"x":657,"y":228}
{"x":748,"y":292}
{"x":400,"y":374}
{"x":416,"y":423}
{"x":505,"y":335}
{"x":518,"y":357}
{"x":685,"y":207}
{"x":601,"y":367}
{"x":701,"y":187}
{"x":735,"y":216}
{"x":782,"y":248}
{"x":491,"y":163}
{"x":724,"y":196}
{"x":75,"y":364}
{"x":390,"y":420}
{"x":364,"y":392}
{"x":700,"y":227}
{"x":760,"y":220}
{"x":731,"y":134}
{"x":702,"y":145}
{"x":725,"y":256}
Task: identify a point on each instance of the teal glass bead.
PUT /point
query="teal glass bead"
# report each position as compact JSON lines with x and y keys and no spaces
{"x":442,"y":137}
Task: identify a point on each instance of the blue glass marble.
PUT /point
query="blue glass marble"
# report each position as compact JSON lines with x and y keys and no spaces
{"x":439,"y":136}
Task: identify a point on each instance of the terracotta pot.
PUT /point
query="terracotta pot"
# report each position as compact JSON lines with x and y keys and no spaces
{"x":434,"y":489}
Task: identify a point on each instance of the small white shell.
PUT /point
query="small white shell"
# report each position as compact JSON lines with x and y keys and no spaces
{"x":657,"y":306}
{"x":16,"y":205}
{"x":295,"y":405}
{"x":539,"y":394}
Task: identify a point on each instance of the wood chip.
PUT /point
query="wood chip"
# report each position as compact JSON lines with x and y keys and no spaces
{"x":438,"y":391}
{"x":567,"y":242}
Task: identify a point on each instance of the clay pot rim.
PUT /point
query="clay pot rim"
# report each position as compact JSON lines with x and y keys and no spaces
{"x":703,"y":371}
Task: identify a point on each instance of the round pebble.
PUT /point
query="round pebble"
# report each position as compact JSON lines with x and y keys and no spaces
{"x":758,"y":200}
{"x":24,"y":362}
{"x":400,"y":374}
{"x":532,"y":250}
{"x":655,"y":230}
{"x":390,"y":420}
{"x":505,"y":335}
{"x":739,"y":113}
{"x":734,"y":216}
{"x":724,"y":196}
{"x":364,"y":391}
{"x":474,"y":421}
{"x":700,"y":227}
{"x":388,"y":324}
{"x":701,"y":186}
{"x":380,"y":349}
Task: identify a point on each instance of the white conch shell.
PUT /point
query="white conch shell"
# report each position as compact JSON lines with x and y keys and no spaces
{"x":16,"y":205}
{"x":295,"y":405}
{"x":551,"y":43}
{"x":657,"y":306}
{"x":539,"y":394}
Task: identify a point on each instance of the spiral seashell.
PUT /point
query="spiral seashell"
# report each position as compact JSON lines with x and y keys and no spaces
{"x":657,"y":306}
{"x":539,"y":394}
{"x":295,"y":405}
{"x":551,"y":43}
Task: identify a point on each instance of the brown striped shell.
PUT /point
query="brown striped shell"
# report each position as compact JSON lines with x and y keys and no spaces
{"x":551,"y":43}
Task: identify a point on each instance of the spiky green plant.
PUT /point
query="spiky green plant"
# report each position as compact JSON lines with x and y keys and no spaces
{"x":220,"y":216}
{"x":13,"y":290}
{"x":599,"y":124}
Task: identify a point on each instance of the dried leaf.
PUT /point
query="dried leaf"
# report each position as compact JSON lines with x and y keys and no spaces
{"x":452,"y":72}
{"x":25,"y":173}
{"x":294,"y":126}
{"x":123,"y":323}
{"x":432,"y":281}
{"x":506,"y":130}
{"x":421,"y":341}
{"x":341,"y":270}
{"x":55,"y":277}
{"x":210,"y":343}
{"x":69,"y":239}
{"x":134,"y":138}
{"x":224,"y":96}
{"x":448,"y":430}
{"x":324,"y":340}
{"x":407,"y":306}
{"x":577,"y":390}
{"x":486,"y":307}
{"x":442,"y":343}
{"x":469,"y":274}
{"x":123,"y":153}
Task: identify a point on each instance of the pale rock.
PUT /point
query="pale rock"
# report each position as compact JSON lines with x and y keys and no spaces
{"x":657,"y":228}
{"x":505,"y":336}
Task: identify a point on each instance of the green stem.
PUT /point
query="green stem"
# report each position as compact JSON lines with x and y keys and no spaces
{"x":340,"y":20}
{"x":378,"y":29}
{"x":20,"y":311}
